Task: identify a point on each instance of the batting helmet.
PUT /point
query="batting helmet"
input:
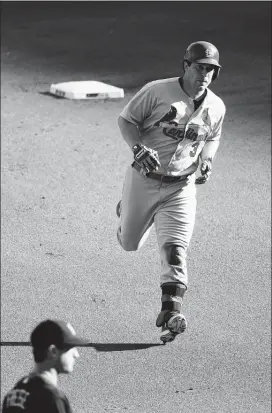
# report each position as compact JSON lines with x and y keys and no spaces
{"x":203,"y":52}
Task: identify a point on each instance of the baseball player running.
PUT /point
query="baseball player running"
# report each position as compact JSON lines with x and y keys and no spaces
{"x":173,"y":126}
{"x":54,"y":348}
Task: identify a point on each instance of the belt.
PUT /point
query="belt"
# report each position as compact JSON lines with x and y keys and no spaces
{"x":160,"y":177}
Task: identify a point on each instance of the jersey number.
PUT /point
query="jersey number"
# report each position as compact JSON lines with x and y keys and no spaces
{"x":194,"y":149}
{"x":17,"y":398}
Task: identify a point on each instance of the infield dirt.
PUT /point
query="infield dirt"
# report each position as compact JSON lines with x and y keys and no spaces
{"x":63,"y":164}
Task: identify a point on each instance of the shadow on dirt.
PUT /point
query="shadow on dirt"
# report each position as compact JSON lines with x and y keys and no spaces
{"x":107,"y":347}
{"x":50,"y":95}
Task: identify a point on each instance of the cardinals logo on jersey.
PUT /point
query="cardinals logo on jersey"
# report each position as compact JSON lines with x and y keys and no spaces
{"x":206,"y":117}
{"x":200,"y":131}
{"x":171,"y":121}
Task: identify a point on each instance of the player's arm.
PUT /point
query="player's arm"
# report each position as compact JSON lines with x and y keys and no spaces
{"x":130,"y":120}
{"x":209,"y":150}
{"x":129,"y":131}
{"x":58,"y":406}
{"x":134,"y":114}
{"x":206,"y":159}
{"x":145,"y":157}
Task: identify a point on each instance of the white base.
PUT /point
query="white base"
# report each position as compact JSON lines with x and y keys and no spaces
{"x":86,"y":90}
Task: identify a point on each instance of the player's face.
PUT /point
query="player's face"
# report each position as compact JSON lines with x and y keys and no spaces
{"x":67,"y":360}
{"x":200,"y":75}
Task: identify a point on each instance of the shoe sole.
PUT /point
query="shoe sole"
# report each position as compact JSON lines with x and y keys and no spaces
{"x":167,"y":336}
{"x":175,"y":326}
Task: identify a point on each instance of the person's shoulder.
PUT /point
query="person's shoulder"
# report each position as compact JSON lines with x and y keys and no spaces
{"x":160,"y":83}
{"x":215,"y":100}
{"x":47,"y":388}
{"x":31,"y":380}
{"x":17,"y":398}
{"x":34,"y":383}
{"x":165,"y":81}
{"x":36,"y":395}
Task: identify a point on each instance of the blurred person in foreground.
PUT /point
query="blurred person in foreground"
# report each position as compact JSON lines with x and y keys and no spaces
{"x":54,"y":344}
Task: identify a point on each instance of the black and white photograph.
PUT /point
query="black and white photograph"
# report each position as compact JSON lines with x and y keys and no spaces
{"x":135,"y":206}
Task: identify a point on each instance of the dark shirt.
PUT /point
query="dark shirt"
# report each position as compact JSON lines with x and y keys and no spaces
{"x":32,"y":394}
{"x":198,"y":102}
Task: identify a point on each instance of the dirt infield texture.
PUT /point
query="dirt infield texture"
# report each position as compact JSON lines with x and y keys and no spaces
{"x":63,"y":164}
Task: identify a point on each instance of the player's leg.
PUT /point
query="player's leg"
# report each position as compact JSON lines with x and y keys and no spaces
{"x":136,"y":210}
{"x":170,"y":318}
{"x":174,"y":223}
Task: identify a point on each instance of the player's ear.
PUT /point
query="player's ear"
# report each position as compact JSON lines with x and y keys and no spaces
{"x":53,"y":352}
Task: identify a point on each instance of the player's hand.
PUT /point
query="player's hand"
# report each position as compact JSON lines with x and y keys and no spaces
{"x":146,"y":158}
{"x":206,"y":170}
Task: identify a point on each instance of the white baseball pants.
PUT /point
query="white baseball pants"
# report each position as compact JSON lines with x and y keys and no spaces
{"x":171,"y":207}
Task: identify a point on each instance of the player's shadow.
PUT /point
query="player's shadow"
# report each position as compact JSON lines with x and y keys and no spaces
{"x":102,"y":347}
{"x":47,"y":93}
{"x":122,"y":346}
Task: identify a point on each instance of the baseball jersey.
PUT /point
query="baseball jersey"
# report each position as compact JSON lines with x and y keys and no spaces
{"x":32,"y":394}
{"x":168,"y":123}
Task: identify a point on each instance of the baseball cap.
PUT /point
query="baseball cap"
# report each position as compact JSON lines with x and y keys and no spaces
{"x":56,"y":332}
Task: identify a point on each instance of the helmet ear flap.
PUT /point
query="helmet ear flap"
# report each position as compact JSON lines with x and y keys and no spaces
{"x":216,"y":72}
{"x":186,"y":61}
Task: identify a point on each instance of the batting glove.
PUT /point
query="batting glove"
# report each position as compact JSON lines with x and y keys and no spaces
{"x":146,"y":158}
{"x":206,"y":170}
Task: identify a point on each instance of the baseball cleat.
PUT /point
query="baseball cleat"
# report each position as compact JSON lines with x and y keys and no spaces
{"x":118,"y":209}
{"x":176,"y":325}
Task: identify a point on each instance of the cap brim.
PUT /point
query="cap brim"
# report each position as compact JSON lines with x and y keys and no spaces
{"x":76,"y":341}
{"x":208,"y":61}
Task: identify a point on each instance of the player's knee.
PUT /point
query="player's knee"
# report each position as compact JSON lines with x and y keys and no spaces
{"x":127,"y":245}
{"x":175,"y":254}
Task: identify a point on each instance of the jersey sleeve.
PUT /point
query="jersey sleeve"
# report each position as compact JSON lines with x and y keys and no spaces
{"x":140,"y":106}
{"x":217,"y":129}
